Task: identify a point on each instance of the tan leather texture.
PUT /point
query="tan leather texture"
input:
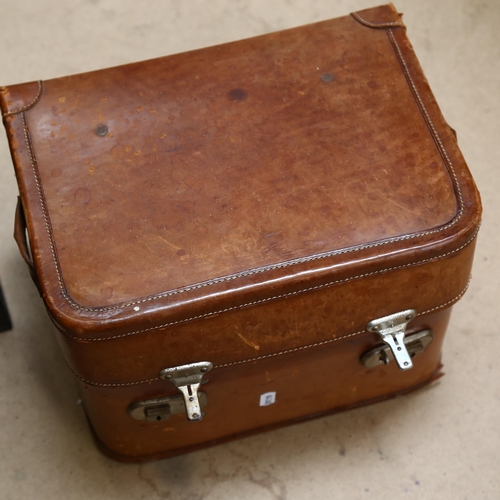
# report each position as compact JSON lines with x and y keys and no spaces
{"x":253,"y":204}
{"x":308,"y":383}
{"x":298,"y":321}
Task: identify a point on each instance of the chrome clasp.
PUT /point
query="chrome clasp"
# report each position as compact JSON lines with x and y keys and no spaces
{"x":187,"y":378}
{"x":382,"y":355}
{"x":392,"y":331}
{"x":159,"y":409}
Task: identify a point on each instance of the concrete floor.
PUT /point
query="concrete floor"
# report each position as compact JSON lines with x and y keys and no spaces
{"x":440,"y":443}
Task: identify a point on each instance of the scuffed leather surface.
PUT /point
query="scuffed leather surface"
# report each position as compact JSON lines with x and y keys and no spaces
{"x":232,"y":159}
{"x":309,"y":382}
{"x":263,"y":330}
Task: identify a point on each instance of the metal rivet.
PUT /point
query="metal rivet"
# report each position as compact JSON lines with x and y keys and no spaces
{"x":409,"y":317}
{"x":327,"y":77}
{"x":195,"y":416}
{"x":101,"y":130}
{"x":203,"y":370}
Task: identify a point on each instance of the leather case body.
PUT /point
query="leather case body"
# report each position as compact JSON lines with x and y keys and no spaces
{"x":254,"y":205}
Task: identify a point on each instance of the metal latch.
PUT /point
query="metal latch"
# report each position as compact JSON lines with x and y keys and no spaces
{"x":158,"y":409}
{"x":415,"y":345}
{"x":187,"y":378}
{"x":392,"y":331}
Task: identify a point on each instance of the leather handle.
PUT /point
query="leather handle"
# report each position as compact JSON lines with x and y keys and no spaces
{"x":22,"y":240}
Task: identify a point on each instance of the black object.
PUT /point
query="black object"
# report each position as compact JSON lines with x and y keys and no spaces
{"x":5,"y":323}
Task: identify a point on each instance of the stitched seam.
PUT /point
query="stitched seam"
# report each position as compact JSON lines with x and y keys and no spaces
{"x":287,"y":351}
{"x":97,"y":384}
{"x":268,"y":299}
{"x":428,"y":311}
{"x":43,"y":206}
{"x":430,"y":124}
{"x":373,"y":25}
{"x":251,"y":272}
{"x":28,"y":106}
{"x":453,"y":221}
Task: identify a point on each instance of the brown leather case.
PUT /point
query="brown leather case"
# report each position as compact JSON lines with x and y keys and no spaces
{"x":254,"y":205}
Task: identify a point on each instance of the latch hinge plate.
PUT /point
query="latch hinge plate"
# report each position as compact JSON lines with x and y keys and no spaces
{"x":415,"y":345}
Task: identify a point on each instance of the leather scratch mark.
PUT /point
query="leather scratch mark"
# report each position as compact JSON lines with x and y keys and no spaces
{"x":171,"y":245}
{"x":247,"y":341}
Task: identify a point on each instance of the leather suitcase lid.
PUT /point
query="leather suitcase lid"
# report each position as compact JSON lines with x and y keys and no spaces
{"x":200,"y":174}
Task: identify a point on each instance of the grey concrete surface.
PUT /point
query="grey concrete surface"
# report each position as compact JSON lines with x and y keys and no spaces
{"x":440,"y":443}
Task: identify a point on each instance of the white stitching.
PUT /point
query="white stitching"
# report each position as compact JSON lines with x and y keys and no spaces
{"x":28,"y":106}
{"x":265,"y":268}
{"x":41,"y":197}
{"x":261,"y":301}
{"x":373,"y":25}
{"x":458,"y":297}
{"x":428,"y":311}
{"x":97,"y":384}
{"x":250,"y":272}
{"x":287,"y":351}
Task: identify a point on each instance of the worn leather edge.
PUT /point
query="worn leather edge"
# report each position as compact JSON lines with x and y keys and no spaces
{"x":271,"y":355}
{"x":256,"y":302}
{"x":427,"y":118}
{"x":378,"y":24}
{"x":436,"y":375}
{"x":26,"y":107}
